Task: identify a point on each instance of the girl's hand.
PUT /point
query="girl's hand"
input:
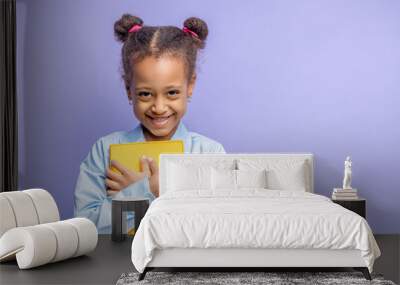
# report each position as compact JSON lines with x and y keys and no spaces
{"x":117,"y":181}
{"x":150,"y":168}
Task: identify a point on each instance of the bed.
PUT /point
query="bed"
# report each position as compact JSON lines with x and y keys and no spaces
{"x":247,"y":210}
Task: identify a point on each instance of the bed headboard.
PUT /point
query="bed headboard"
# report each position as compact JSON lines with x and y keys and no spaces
{"x":233,"y":158}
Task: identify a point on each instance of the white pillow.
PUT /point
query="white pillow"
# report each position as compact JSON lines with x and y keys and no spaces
{"x":251,"y":178}
{"x":188,"y":177}
{"x":282,"y":174}
{"x":236,"y":179}
{"x":223,"y":179}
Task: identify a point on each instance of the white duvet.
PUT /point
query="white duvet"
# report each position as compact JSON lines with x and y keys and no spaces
{"x":251,"y":218}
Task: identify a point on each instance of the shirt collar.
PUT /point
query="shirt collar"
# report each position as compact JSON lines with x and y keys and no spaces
{"x":180,"y":133}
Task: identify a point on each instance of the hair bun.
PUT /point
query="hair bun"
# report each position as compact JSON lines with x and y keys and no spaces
{"x":123,"y":25}
{"x":198,"y":26}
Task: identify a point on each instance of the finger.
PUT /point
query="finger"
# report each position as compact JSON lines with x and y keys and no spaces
{"x":114,"y":176}
{"x":120,"y":167}
{"x":153,"y":167}
{"x":114,"y":186}
{"x":145,"y":166}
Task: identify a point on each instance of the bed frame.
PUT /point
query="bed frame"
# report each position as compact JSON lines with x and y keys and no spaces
{"x":241,"y":259}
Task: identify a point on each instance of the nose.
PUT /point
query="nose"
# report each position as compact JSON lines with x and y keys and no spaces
{"x":159,"y":106}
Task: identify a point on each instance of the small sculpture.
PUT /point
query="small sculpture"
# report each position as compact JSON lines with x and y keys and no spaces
{"x":347,"y":174}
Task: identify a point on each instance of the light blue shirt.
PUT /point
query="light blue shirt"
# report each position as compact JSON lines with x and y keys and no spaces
{"x":91,"y":200}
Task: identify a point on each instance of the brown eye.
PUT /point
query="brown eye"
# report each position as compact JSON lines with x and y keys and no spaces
{"x":173,"y":93}
{"x":144,"y":94}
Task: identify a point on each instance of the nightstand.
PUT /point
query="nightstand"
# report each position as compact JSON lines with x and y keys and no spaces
{"x":358,"y":206}
{"x":120,"y":207}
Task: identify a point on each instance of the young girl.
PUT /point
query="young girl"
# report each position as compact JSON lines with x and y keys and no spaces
{"x":159,"y":75}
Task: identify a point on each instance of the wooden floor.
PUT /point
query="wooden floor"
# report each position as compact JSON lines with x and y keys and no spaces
{"x":389,"y":262}
{"x":105,"y":264}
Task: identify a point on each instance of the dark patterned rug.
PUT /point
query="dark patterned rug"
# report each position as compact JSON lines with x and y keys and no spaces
{"x":270,"y":278}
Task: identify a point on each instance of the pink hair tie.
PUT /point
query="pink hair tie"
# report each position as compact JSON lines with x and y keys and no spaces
{"x":188,"y":31}
{"x":135,"y":28}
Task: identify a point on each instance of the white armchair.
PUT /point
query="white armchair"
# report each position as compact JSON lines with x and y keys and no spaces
{"x":31,"y":231}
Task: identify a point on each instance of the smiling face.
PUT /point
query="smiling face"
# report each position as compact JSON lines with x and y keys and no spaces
{"x":159,"y":92}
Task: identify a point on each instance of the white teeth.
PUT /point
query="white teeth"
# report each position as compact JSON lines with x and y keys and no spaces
{"x":160,"y":121}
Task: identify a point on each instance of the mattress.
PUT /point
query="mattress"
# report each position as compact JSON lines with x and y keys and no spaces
{"x":250,"y":219}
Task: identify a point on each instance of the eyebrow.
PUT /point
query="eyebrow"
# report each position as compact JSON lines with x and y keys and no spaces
{"x":168,"y":87}
{"x":173,"y":86}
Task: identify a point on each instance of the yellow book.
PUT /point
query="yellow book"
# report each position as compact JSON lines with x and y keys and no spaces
{"x":129,"y":154}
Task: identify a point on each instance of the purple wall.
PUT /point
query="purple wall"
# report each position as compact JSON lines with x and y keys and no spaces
{"x":276,"y":76}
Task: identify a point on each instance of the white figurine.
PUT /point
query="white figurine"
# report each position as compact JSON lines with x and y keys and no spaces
{"x":347,"y":174}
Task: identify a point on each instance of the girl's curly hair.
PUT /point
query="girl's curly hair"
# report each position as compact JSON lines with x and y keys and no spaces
{"x":157,"y":41}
